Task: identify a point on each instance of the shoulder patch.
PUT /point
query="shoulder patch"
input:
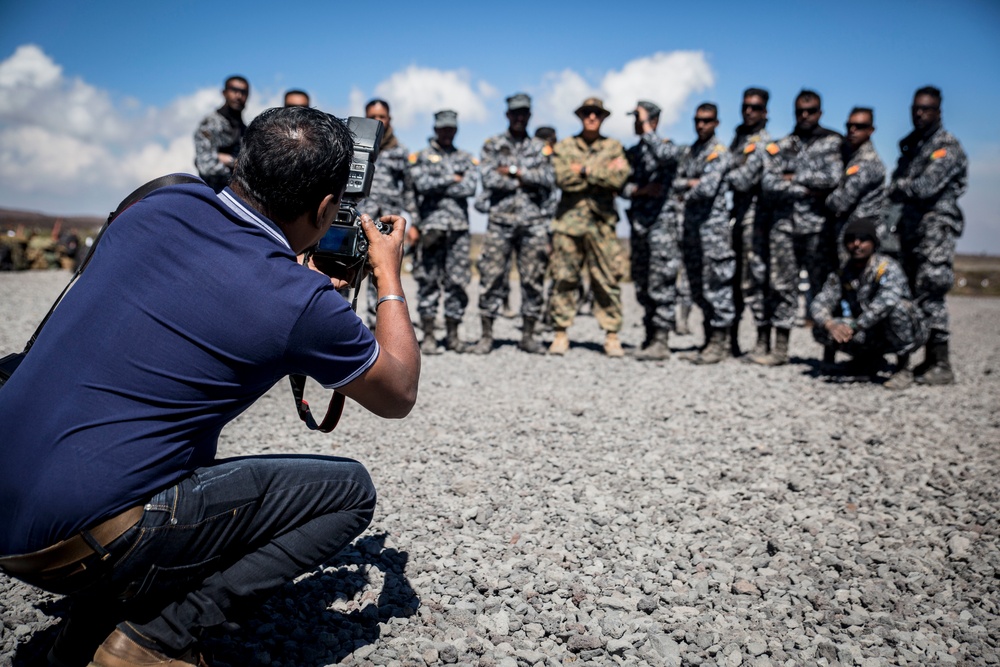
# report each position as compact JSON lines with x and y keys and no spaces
{"x":853,"y":169}
{"x":475,"y":161}
{"x":711,"y":156}
{"x":751,"y":147}
{"x":547,"y":150}
{"x":939,"y":153}
{"x":412,"y":158}
{"x":772,"y":148}
{"x":434,"y":158}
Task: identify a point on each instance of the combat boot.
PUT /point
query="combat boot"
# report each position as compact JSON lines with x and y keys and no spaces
{"x":763,"y":345}
{"x":716,"y":350}
{"x":560,"y":344}
{"x":691,"y":355}
{"x":429,"y":344}
{"x":528,"y":341}
{"x":613,"y":346}
{"x":940,"y":371}
{"x":682,"y":328}
{"x":452,"y":342}
{"x":778,"y":356}
{"x":658,"y":348}
{"x":485,"y":344}
{"x":903,"y":377}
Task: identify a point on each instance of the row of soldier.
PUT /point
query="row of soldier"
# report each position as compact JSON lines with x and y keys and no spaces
{"x":551,"y":208}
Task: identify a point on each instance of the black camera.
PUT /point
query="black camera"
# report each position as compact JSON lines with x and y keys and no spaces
{"x":343,"y":250}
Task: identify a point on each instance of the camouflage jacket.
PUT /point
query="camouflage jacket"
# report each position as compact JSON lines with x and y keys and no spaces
{"x":747,"y":171}
{"x":521,"y":199}
{"x":861,"y":191}
{"x":443,"y":202}
{"x":930,"y":176}
{"x":215,"y":134}
{"x":392,"y":185}
{"x":653,"y":160}
{"x":588,"y":200}
{"x":869,"y":296}
{"x":708,"y":162}
{"x":816,"y":164}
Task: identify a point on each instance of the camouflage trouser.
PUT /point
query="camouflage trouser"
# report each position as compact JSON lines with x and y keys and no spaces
{"x":665,"y":263}
{"x":711,"y":265}
{"x":789,"y":252}
{"x":530,"y":245}
{"x":902,"y":331}
{"x":683,"y":284}
{"x":599,"y":252}
{"x":927,"y":247}
{"x":442,"y":264}
{"x":639,"y":258}
{"x":752,"y":249}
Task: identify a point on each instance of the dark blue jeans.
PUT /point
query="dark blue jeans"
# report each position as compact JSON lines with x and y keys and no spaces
{"x":228,"y":534}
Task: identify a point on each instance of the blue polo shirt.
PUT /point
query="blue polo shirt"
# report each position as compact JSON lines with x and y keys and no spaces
{"x":192,"y":307}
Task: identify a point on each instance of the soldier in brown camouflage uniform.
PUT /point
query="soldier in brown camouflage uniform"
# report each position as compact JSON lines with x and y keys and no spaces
{"x":929,"y":178}
{"x":444,"y":178}
{"x":219,"y":135}
{"x":590,"y":169}
{"x":518,"y":179}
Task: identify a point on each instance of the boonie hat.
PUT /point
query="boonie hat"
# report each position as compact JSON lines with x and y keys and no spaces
{"x":593,"y":103}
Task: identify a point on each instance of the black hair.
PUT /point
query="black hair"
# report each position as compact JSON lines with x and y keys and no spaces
{"x":867,"y":110}
{"x":291,"y":159}
{"x":545,"y":132}
{"x":375,"y":101}
{"x":757,"y":92}
{"x":708,"y":106}
{"x":236,"y":77}
{"x":806,"y":94}
{"x":929,"y":90}
{"x":297,"y":91}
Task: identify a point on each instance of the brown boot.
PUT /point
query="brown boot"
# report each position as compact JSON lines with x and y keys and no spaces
{"x":118,"y":650}
{"x":485,"y":344}
{"x":429,"y":345}
{"x":779,"y":355}
{"x":452,"y":342}
{"x":658,"y":348}
{"x":939,"y":372}
{"x":613,"y":346}
{"x":528,"y":341}
{"x":716,"y":350}
{"x":763,"y":346}
{"x":903,"y":377}
{"x":560,"y":344}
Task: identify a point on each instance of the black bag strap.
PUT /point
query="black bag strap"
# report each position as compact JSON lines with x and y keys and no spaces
{"x":139,"y":193}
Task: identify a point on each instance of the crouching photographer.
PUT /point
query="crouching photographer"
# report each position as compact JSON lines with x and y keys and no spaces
{"x":193,"y":307}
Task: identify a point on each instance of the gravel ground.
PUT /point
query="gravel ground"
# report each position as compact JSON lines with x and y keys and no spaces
{"x":593,"y":511}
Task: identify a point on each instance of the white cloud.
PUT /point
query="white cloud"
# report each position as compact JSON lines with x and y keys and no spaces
{"x":668,"y":79}
{"x":417,"y":92}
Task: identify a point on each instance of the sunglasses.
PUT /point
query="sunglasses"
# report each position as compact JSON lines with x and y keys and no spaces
{"x":807,"y":111}
{"x":859,"y":126}
{"x":590,"y":111}
{"x":754,"y":107}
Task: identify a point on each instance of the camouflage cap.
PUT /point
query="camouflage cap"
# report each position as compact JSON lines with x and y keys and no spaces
{"x":593,"y":103}
{"x":518,"y":101}
{"x":652,"y":109}
{"x":445,"y":118}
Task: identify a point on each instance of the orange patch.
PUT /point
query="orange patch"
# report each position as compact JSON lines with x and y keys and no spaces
{"x":938,"y":154}
{"x":853,"y":169}
{"x":412,"y":159}
{"x":773,"y":149}
{"x":750,"y":148}
{"x":711,"y":156}
{"x":547,"y":150}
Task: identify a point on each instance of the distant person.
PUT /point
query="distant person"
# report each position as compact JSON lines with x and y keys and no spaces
{"x":699,"y":192}
{"x":803,"y":169}
{"x":751,"y":220}
{"x":928,"y":180}
{"x":654,"y":239}
{"x":392,"y":190}
{"x":864,"y":309}
{"x":219,"y":135}
{"x":444,"y":177}
{"x":519,"y":178}
{"x":590,"y":170}
{"x":296,"y":98}
{"x":861,"y":190}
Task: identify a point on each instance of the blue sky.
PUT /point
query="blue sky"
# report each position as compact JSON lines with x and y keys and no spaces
{"x":97,"y":97}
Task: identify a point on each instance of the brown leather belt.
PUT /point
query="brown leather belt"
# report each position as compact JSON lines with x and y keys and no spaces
{"x":54,"y":561}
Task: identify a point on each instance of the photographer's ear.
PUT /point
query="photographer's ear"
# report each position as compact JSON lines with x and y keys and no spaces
{"x":327,"y":211}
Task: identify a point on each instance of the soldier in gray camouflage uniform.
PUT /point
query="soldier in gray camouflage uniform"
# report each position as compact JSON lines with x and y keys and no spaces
{"x":751,"y":219}
{"x":803,"y":169}
{"x":656,"y":254}
{"x":392,"y":189}
{"x":699,"y":191}
{"x":518,"y":179}
{"x":861,"y":191}
{"x":219,"y":135}
{"x":864,"y":309}
{"x":444,"y":178}
{"x":929,"y":178}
